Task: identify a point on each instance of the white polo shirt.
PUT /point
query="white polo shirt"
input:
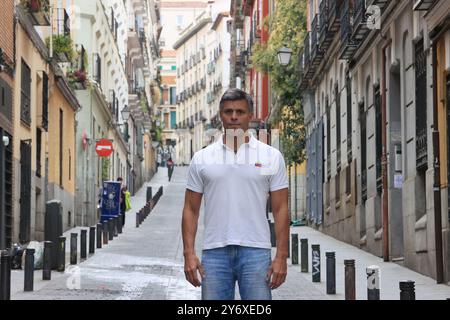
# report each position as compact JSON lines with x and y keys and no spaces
{"x":235,"y":189}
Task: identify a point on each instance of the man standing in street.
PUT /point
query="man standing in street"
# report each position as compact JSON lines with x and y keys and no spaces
{"x":235,"y":174}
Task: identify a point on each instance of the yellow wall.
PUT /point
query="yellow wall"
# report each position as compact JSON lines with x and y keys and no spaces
{"x":58,"y":102}
{"x":442,"y":117}
{"x":27,"y":52}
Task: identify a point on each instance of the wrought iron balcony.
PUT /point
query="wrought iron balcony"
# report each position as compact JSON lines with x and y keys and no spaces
{"x":348,"y":44}
{"x":62,"y":22}
{"x":424,"y":5}
{"x":306,"y":51}
{"x":316,"y":53}
{"x":360,"y":26}
{"x":39,"y":12}
{"x":329,"y":22}
{"x":338,"y":157}
{"x":364,"y":184}
{"x":349,"y":148}
{"x":421,"y":148}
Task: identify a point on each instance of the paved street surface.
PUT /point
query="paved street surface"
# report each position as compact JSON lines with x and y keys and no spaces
{"x":147,"y":262}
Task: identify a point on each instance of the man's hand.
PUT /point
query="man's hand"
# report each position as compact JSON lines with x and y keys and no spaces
{"x":191,"y":265}
{"x":277,"y":273}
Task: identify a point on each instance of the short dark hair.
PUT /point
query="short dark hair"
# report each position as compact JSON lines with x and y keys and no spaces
{"x":236,"y":95}
{"x":119,"y":179}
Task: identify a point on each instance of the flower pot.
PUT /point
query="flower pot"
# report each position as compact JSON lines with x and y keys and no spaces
{"x":34,"y":5}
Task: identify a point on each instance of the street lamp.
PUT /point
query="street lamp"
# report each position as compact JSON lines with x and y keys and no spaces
{"x":284,"y":55}
{"x":125,"y":113}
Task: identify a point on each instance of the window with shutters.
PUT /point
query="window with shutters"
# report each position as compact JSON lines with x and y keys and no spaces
{"x":421,"y":106}
{"x":25,"y":96}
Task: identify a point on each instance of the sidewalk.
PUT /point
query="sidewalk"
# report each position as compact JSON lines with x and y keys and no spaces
{"x":147,"y":262}
{"x":390,"y":273}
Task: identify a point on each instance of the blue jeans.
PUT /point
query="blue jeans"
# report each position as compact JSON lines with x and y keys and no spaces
{"x":224,"y":266}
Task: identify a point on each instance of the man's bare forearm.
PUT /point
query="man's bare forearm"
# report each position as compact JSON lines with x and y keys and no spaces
{"x":189,"y":230}
{"x":282,"y":232}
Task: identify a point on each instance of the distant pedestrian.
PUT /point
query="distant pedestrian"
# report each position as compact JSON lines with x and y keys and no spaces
{"x":122,"y":200}
{"x":170,"y":167}
{"x":235,"y":174}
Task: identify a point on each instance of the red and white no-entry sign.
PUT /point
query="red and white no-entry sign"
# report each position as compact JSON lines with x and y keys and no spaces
{"x":104,"y":148}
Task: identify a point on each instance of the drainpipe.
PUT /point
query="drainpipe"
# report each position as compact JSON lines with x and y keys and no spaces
{"x":437,"y":177}
{"x":384,"y":168}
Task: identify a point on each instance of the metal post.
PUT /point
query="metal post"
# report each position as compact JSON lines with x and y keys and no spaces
{"x":119,"y":223}
{"x":116,"y":226}
{"x":407,"y":290}
{"x":47,"y":267}
{"x":29,"y":270}
{"x":304,"y":255}
{"x":350,"y":286}
{"x":294,"y":238}
{"x":289,"y":245}
{"x":137,"y":219}
{"x":373,"y":282}
{"x":315,"y":249}
{"x":73,"y":248}
{"x":105,"y":229}
{"x":5,"y":276}
{"x":111,"y":229}
{"x":273,"y":237}
{"x":99,"y":235}
{"x":331,"y":272}
{"x":83,"y":244}
{"x":149,"y":193}
{"x":61,"y":254}
{"x":91,"y":240}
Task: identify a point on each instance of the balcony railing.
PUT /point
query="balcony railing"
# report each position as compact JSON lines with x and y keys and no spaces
{"x":349,"y":148}
{"x":306,"y":51}
{"x":39,"y":11}
{"x":364,"y":185}
{"x":421,"y":148}
{"x":62,"y":22}
{"x":424,"y":5}
{"x":315,"y":51}
{"x":348,"y":44}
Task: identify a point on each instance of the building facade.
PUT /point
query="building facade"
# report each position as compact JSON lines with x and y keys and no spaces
{"x":7,"y":82}
{"x":372,"y":74}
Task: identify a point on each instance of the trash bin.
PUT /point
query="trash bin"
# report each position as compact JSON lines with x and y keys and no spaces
{"x":110,"y":200}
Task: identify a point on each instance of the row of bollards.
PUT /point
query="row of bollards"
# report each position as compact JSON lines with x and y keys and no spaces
{"x":101,"y":234}
{"x":142,"y":214}
{"x":407,"y":288}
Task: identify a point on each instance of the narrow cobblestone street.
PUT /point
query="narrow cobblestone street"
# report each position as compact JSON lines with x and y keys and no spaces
{"x":147,"y":262}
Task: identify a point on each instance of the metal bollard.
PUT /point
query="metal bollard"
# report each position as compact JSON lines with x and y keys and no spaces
{"x":273,"y":238}
{"x":29,"y":270}
{"x":304,"y":255}
{"x":83,"y":244}
{"x":111,"y":229}
{"x":73,"y":248}
{"x":331,"y":272}
{"x":105,"y":228}
{"x":91,"y":240}
{"x":119,"y":223}
{"x":5,"y":276}
{"x":99,"y":235}
{"x":407,"y":290}
{"x":61,"y":254}
{"x":47,"y":267}
{"x":373,"y":282}
{"x":149,"y":193}
{"x":315,"y":250}
{"x":294,"y":238}
{"x":350,"y":285}
{"x":116,"y":226}
{"x":137,"y":219}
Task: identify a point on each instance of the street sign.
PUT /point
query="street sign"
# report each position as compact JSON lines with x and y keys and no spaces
{"x":104,"y":148}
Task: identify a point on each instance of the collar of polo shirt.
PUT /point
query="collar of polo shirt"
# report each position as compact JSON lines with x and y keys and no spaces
{"x":252,"y":142}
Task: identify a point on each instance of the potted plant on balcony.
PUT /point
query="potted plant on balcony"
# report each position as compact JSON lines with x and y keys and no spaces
{"x":77,"y":79}
{"x":34,"y":5}
{"x":62,"y":47}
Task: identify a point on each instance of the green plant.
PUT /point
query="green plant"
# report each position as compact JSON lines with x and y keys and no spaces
{"x":62,"y":44}
{"x":287,"y":28}
{"x":105,"y":168}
